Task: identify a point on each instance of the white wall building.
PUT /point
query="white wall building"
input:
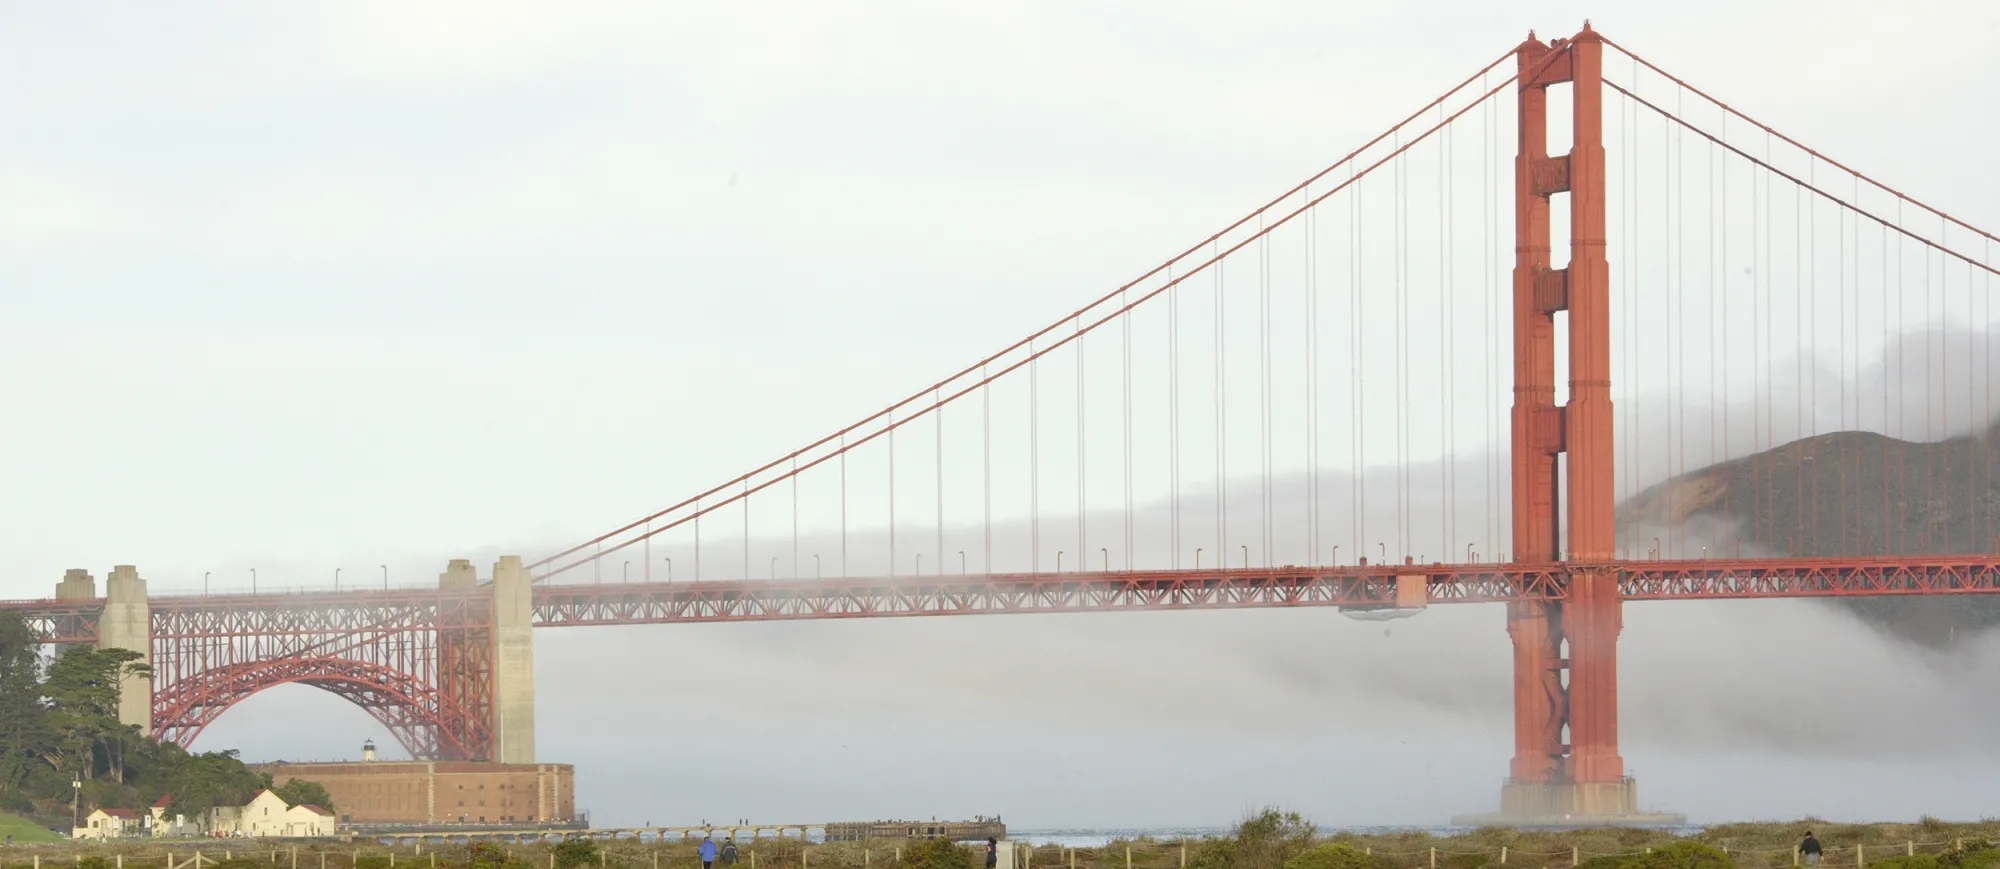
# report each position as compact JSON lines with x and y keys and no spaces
{"x":266,"y":815}
{"x":108,"y":824}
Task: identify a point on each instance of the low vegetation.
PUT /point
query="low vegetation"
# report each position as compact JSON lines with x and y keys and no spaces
{"x":1268,"y":840}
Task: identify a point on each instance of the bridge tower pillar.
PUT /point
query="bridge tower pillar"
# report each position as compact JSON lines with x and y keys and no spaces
{"x":513,"y":662}
{"x":127,"y":623}
{"x":1566,"y":759}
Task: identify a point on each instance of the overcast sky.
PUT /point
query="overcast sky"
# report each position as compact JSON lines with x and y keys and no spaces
{"x":366,"y":286}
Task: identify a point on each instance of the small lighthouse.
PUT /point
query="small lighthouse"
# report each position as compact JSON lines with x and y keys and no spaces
{"x":367,"y":751}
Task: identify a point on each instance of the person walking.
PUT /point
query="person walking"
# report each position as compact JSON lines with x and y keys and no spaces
{"x":1809,"y":848}
{"x":729,"y":851}
{"x":992,"y":852}
{"x":707,"y":853}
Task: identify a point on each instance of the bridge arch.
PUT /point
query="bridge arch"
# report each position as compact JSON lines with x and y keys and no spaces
{"x":427,"y":721}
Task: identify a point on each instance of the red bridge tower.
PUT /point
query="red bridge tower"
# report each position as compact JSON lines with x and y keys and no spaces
{"x":1565,"y":652}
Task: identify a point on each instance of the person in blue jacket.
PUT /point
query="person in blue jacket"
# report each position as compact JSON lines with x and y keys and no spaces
{"x":707,"y":853}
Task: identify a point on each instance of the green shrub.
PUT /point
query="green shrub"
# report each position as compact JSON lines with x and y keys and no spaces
{"x":1616,"y":861}
{"x":93,"y":862}
{"x":1464,"y":861}
{"x":936,"y":854}
{"x":1681,"y":855}
{"x":1333,"y":855}
{"x":1215,"y":852}
{"x":372,"y":861}
{"x":1920,"y":861}
{"x":490,"y":855}
{"x":571,"y":853}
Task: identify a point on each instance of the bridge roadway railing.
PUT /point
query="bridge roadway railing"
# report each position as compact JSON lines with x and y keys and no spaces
{"x":1366,"y":587}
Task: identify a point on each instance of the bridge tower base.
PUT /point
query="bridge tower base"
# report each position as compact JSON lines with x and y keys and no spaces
{"x":1566,"y":768}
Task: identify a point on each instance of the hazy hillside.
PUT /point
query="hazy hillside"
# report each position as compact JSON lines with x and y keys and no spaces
{"x":1841,"y":494}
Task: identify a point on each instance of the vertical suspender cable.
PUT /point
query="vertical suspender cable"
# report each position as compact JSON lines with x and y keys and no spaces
{"x":1221,"y":428}
{"x":1356,"y":365}
{"x":1263,"y":392}
{"x":891,"y":420}
{"x":843,"y":510}
{"x":1173,"y":423}
{"x":937,"y":426}
{"x":1447,"y":439}
{"x":1311,"y":231}
{"x":1125,"y":349}
{"x":1034,"y":462}
{"x":986,"y":464}
{"x":1082,"y":453}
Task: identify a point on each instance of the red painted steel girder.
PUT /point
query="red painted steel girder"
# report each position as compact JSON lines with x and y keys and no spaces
{"x":60,"y":621}
{"x":323,"y":623}
{"x":1368,"y":587}
{"x":422,"y":717}
{"x":762,"y":600}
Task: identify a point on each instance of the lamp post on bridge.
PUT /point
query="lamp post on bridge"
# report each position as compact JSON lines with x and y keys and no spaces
{"x":920,"y":565}
{"x":204,"y":583}
{"x":1197,"y":558}
{"x":336,"y":579}
{"x":253,"y":581}
{"x":1059,"y":555}
{"x":961,"y":562}
{"x":670,"y":568}
{"x":1336,"y":556}
{"x":385,"y":577}
{"x":1107,"y":557}
{"x":816,"y":573}
{"x":774,"y":567}
{"x":1246,"y":556}
{"x":1385,"y":551}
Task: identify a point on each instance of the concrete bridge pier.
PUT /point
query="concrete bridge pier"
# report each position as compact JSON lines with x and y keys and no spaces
{"x":127,"y":623}
{"x":513,"y":662}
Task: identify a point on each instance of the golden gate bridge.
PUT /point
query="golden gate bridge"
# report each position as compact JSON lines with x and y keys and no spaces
{"x":1370,"y":316}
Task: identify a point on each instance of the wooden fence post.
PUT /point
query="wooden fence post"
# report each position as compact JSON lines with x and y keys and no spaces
{"x":1575,"y":856}
{"x":1128,"y":857}
{"x":1434,"y":858}
{"x":1503,"y":855}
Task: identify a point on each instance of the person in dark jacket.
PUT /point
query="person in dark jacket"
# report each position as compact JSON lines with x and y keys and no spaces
{"x":729,"y":851}
{"x":1809,"y":848}
{"x":992,"y":852}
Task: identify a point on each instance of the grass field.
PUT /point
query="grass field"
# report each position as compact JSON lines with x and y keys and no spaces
{"x":1749,"y":846}
{"x":24,"y":830}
